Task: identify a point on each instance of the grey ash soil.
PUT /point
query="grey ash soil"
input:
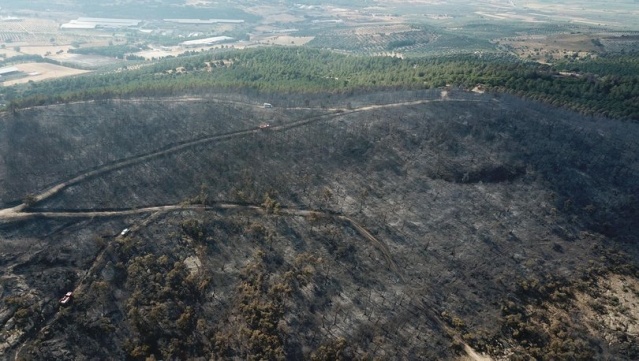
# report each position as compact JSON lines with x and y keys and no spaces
{"x":473,"y":204}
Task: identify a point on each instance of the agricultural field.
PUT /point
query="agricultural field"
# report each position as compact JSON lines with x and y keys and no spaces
{"x":43,"y":37}
{"x":370,"y":30}
{"x":283,"y":40}
{"x":399,"y":41}
{"x":274,"y":15}
{"x":88,"y":61}
{"x":535,"y":30}
{"x":618,"y":14}
{"x":546,"y":48}
{"x":43,"y":71}
{"x":35,"y":31}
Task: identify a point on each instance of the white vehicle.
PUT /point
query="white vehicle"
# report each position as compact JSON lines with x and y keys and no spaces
{"x":268,"y":105}
{"x":67,"y":298}
{"x":125,"y":232}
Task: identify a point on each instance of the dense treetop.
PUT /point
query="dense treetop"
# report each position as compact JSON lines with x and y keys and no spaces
{"x":606,"y":86}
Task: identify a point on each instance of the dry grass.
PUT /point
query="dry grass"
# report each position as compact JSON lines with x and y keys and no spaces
{"x":45,"y":71}
{"x":385,"y":29}
{"x":285,"y":40}
{"x":273,"y":15}
{"x":555,"y":46}
{"x":510,"y":16}
{"x":43,"y":50}
{"x":617,"y":309}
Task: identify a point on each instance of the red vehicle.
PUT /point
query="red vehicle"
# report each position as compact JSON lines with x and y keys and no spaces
{"x":66,"y":299}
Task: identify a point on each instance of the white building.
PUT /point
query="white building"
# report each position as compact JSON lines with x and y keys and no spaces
{"x":207,"y":21}
{"x":94,"y":23}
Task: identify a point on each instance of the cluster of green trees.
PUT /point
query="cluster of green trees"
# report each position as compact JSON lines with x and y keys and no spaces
{"x":621,"y":65}
{"x":607,"y":86}
{"x":113,"y":51}
{"x":394,"y":44}
{"x":24,"y":58}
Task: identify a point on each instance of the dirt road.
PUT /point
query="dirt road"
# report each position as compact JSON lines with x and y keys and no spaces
{"x":11,"y":213}
{"x":22,"y":212}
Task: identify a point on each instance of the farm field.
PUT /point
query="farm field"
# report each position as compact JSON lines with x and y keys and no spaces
{"x":85,"y":60}
{"x":283,"y":40}
{"x":620,"y":14}
{"x":43,"y":37}
{"x":34,"y":32}
{"x":28,"y":30}
{"x":398,"y":28}
{"x":552,"y":47}
{"x":44,"y":71}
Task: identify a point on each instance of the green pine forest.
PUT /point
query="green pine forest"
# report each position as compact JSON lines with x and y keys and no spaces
{"x":604,"y":86}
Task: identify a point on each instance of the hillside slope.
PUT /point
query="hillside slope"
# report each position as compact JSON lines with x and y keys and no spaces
{"x":417,"y":225}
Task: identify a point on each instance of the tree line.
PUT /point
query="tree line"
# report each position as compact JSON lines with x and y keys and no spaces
{"x":605,"y":86}
{"x":112,"y":51}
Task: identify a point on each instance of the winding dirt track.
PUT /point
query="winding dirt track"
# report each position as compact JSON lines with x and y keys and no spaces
{"x":381,"y":246}
{"x":20,"y":212}
{"x":15,"y":212}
